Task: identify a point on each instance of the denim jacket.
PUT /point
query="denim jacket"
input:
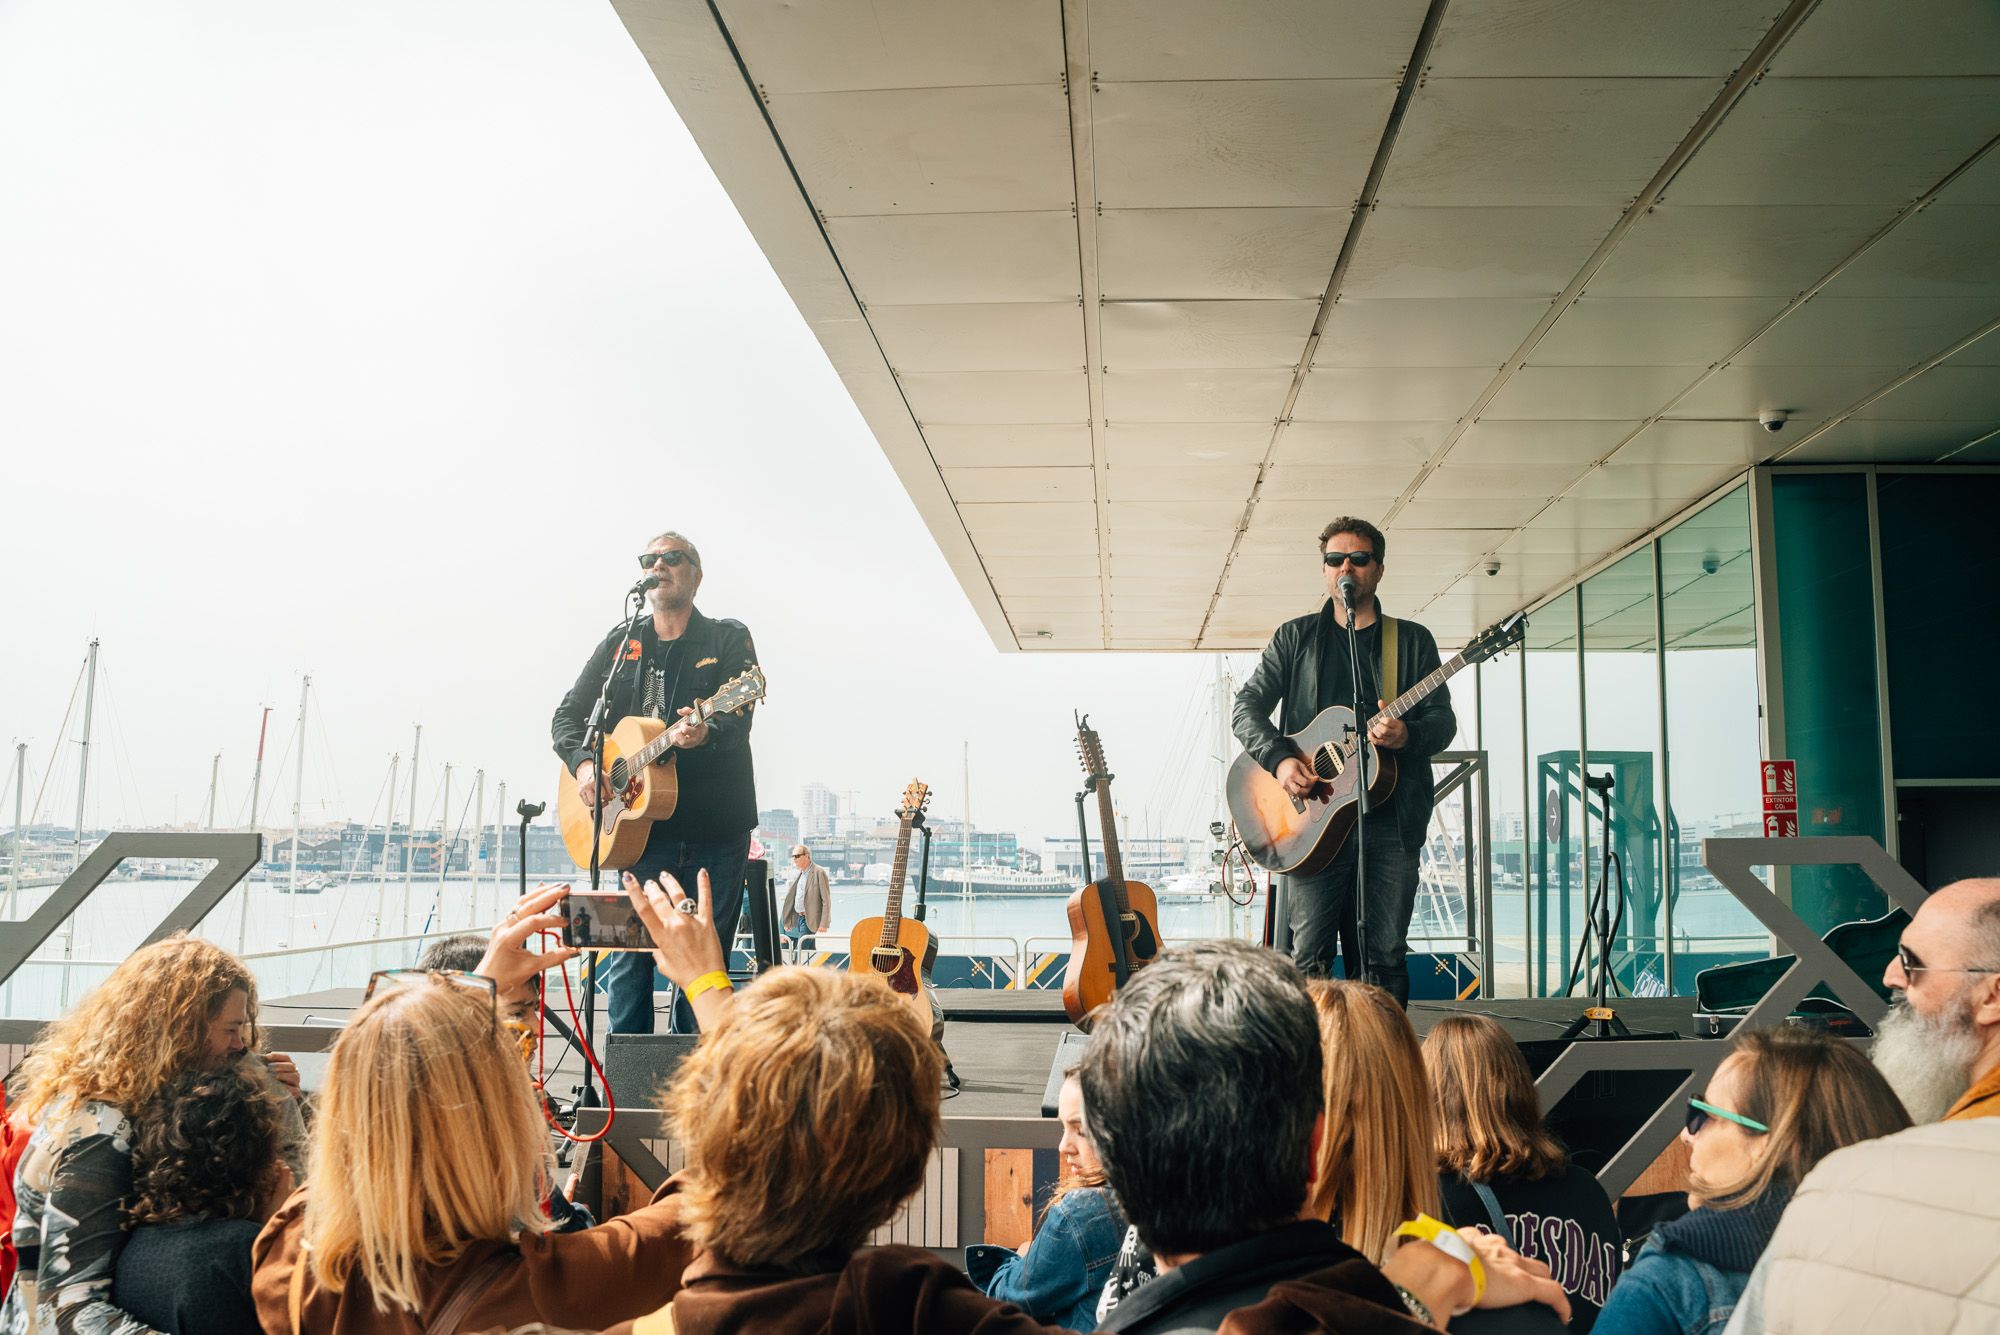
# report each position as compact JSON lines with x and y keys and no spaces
{"x":1687,"y":1279}
{"x":1061,"y":1276}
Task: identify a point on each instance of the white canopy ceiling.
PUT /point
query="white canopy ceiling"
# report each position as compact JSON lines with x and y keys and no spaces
{"x":1136,"y":294}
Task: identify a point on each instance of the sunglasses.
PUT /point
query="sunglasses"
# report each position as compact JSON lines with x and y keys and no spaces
{"x":647,"y":560}
{"x":1912,"y":965}
{"x":1361,"y":560}
{"x":388,"y":980}
{"x":1699,"y":1113}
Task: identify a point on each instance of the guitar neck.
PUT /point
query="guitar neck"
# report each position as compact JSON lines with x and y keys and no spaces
{"x":892,"y":911}
{"x":1416,"y":695}
{"x":664,"y":743}
{"x":1107,"y":834}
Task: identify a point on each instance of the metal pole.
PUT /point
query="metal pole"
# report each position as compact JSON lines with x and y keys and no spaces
{"x":478,"y":815}
{"x":410,"y":830}
{"x":499,"y":844}
{"x":82,"y":775}
{"x":214,"y":774}
{"x":256,"y":792}
{"x":965,"y":835}
{"x":298,"y":796}
{"x":388,"y":833}
{"x":14,"y":863}
{"x":444,"y":842}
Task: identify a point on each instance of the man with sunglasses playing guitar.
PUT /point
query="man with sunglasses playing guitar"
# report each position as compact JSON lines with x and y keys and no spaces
{"x":1305,"y":669}
{"x":677,"y":657}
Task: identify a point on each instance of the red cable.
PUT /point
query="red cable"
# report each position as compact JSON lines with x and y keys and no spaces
{"x":590,"y":1057}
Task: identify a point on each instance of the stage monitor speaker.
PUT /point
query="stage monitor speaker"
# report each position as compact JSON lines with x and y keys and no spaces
{"x":1070,"y":1048}
{"x":760,"y":893}
{"x":636,"y":1065}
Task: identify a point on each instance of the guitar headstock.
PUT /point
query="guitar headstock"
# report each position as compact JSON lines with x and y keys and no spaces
{"x":741,"y":691}
{"x":1090,"y":749}
{"x":1497,"y":639}
{"x":916,"y":796}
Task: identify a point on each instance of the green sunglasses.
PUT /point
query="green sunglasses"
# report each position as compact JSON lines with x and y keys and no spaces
{"x":1699,"y":1112}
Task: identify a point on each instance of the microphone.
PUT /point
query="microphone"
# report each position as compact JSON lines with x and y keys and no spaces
{"x":1347,"y":590}
{"x":646,"y":585}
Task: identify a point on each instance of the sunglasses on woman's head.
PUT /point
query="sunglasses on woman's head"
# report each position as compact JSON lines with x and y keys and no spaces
{"x":386,"y":980}
{"x":1699,"y":1113}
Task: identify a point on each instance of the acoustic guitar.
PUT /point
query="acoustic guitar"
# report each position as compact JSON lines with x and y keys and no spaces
{"x":1113,"y":923}
{"x":1301,"y":835}
{"x":645,"y":785}
{"x":899,"y":950}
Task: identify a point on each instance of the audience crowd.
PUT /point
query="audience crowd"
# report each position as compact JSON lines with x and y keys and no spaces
{"x":1242,"y":1151}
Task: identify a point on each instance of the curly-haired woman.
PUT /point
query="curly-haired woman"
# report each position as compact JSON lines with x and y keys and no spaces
{"x":205,"y":1176}
{"x":175,"y":1006}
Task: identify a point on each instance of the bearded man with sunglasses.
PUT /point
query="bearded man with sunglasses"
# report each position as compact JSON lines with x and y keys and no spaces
{"x":677,"y":657}
{"x":1305,"y":669}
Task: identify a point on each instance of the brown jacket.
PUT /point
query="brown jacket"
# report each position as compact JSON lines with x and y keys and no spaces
{"x":1982,"y":1100}
{"x":881,"y":1290}
{"x":586,"y":1280}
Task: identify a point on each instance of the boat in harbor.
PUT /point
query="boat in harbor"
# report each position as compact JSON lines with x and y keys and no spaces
{"x":952,"y":882}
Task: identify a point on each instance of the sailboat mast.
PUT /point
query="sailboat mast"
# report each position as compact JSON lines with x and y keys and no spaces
{"x":257,"y":775}
{"x":299,"y":787}
{"x":444,"y":841}
{"x":388,"y":832}
{"x":478,"y":819}
{"x":214,"y":774}
{"x":965,"y":835}
{"x":83,"y":761}
{"x":14,"y":863}
{"x":410,"y":830}
{"x":500,"y":844}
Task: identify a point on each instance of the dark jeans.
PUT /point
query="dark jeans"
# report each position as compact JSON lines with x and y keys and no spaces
{"x":628,"y":978}
{"x":1323,"y":918}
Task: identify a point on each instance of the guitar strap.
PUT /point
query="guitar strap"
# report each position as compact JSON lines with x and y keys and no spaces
{"x":1391,"y":661}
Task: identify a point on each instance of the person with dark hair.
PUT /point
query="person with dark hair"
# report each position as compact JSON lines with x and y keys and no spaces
{"x":205,"y":1176}
{"x":1783,"y":1100}
{"x":1059,"y":1274}
{"x":1203,"y":1084}
{"x":1500,"y":1167}
{"x":677,"y":656}
{"x":1307,"y":668}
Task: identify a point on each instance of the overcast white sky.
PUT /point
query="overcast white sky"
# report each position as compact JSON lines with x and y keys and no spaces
{"x":372,"y":340}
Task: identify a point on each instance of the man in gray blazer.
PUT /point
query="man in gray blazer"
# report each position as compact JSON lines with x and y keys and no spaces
{"x":809,"y":899}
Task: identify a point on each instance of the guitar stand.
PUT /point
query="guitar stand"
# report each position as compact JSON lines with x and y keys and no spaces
{"x":919,"y":913}
{"x":1599,"y":1020}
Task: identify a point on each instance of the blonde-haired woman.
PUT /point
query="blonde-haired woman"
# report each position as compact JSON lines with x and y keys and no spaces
{"x":1375,"y":1167}
{"x":809,"y":1114}
{"x":1500,"y":1167}
{"x":429,"y":1165}
{"x":1780,"y":1102}
{"x":177,"y":1005}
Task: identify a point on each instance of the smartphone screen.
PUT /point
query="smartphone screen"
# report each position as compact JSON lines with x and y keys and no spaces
{"x":603,"y":921}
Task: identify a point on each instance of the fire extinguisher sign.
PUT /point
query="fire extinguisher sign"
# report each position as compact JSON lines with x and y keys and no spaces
{"x":1779,"y":780}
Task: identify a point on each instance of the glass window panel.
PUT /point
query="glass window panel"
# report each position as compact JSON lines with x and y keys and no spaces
{"x":1713,"y":728}
{"x":1506,"y":770}
{"x":1622,"y":728}
{"x":1556,"y":838}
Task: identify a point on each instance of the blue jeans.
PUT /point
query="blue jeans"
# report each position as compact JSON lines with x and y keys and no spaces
{"x":628,"y":978}
{"x":1322,"y":911}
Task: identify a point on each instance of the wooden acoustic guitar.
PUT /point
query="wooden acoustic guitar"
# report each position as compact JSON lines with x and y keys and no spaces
{"x":645,"y":785}
{"x":1113,"y":923}
{"x":899,"y":950}
{"x":1301,"y":835}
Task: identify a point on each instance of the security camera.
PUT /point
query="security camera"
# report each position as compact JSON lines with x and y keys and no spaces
{"x":1772,"y":419}
{"x":1710,"y":563}
{"x":1491,"y":568}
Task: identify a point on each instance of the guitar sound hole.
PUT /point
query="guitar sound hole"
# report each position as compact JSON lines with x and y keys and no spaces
{"x":885,"y":961}
{"x":620,"y":776}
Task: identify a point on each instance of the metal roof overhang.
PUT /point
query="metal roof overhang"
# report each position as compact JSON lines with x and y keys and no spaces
{"x":1135,"y":294}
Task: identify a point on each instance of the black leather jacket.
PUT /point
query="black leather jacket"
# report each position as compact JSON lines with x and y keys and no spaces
{"x":1287,"y":678}
{"x":718,"y":788}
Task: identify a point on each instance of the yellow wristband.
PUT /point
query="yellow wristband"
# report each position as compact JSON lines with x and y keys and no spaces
{"x":708,"y":982}
{"x":1445,"y":1238}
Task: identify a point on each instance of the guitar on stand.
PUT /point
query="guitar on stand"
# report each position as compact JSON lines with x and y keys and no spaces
{"x":898,"y":950}
{"x":645,"y":785}
{"x":1300,"y":835}
{"x":1113,"y":922}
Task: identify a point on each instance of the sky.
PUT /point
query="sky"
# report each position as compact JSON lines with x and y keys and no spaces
{"x":373,"y":341}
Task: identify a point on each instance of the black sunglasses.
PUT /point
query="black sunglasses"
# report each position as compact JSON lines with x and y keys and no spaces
{"x":647,"y":560}
{"x":1362,"y":560}
{"x":1912,"y":965}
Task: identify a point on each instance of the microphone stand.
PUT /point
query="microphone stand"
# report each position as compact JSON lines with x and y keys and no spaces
{"x":594,"y":731}
{"x":1362,"y":784}
{"x":924,"y":870}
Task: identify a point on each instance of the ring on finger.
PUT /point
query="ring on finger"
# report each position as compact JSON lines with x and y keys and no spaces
{"x":689,"y":907}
